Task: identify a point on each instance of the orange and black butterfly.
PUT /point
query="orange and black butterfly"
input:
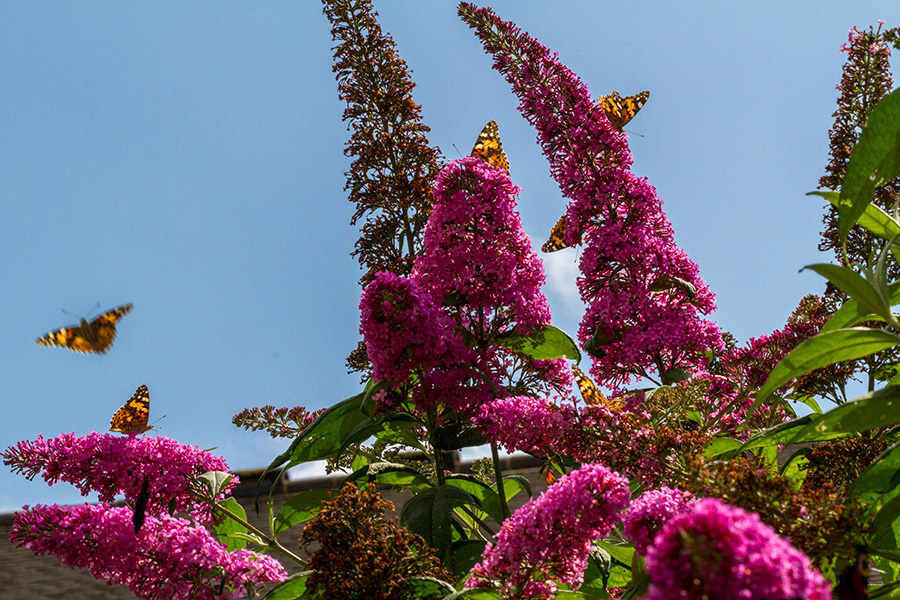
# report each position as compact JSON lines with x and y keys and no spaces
{"x":557,"y":239}
{"x":95,"y":336}
{"x":592,"y":394}
{"x":132,"y":418}
{"x":620,"y":110}
{"x":489,"y":148}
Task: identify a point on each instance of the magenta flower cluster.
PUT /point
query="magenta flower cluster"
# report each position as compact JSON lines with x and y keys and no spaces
{"x":111,"y":465}
{"x":527,"y":424}
{"x":644,"y":295}
{"x":168,"y":559}
{"x":715,"y":550}
{"x":405,"y":330}
{"x":548,"y":540}
{"x":647,"y":514}
{"x":476,"y":280}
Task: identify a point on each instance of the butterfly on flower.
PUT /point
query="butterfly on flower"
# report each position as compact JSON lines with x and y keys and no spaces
{"x":132,"y":418}
{"x":620,"y":110}
{"x":489,"y":148}
{"x":557,"y":239}
{"x":96,"y":336}
{"x":592,"y":394}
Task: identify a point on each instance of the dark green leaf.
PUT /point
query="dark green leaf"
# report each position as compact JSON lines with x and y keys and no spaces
{"x":826,"y":349}
{"x":466,"y":553}
{"x":229,"y":526}
{"x":513,"y":484}
{"x":874,"y":162}
{"x":856,"y":286}
{"x":876,"y":409}
{"x":300,"y":509}
{"x":290,"y":589}
{"x":490,"y":500}
{"x":879,"y":482}
{"x":429,"y":514}
{"x":456,"y":435}
{"x":720,"y":446}
{"x":873,"y":219}
{"x":782,"y":433}
{"x":427,"y":587}
{"x":543,"y":342}
{"x":852,"y":312}
{"x":391,"y":474}
{"x":886,"y":528}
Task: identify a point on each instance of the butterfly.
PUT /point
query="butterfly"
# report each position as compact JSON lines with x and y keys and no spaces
{"x":96,"y":336}
{"x":557,"y":239}
{"x":620,"y":110}
{"x":489,"y":148}
{"x":591,"y":393}
{"x":132,"y":417}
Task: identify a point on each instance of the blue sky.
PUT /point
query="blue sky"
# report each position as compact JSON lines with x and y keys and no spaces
{"x":188,"y":158}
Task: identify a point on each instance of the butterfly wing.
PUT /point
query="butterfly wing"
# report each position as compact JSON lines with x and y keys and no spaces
{"x":592,"y":394}
{"x":557,"y":240}
{"x":104,"y":327}
{"x":132,"y":418}
{"x":620,"y":110}
{"x":489,"y":148}
{"x":96,"y":336}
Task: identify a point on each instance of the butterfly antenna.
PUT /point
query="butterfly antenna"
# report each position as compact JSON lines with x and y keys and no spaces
{"x":457,"y":150}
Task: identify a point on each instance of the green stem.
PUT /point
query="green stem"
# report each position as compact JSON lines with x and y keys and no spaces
{"x":270,"y":542}
{"x":498,"y":476}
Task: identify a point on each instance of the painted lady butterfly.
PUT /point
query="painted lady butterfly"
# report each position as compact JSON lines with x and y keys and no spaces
{"x":621,"y":110}
{"x":132,"y":417}
{"x":489,"y":148}
{"x":557,"y":239}
{"x":591,"y":393}
{"x":96,"y":336}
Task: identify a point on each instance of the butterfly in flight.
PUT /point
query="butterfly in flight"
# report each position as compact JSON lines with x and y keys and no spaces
{"x":132,"y":418}
{"x":96,"y":336}
{"x":489,"y":148}
{"x":619,"y":111}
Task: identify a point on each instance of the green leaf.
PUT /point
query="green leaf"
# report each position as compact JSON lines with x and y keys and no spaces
{"x":873,"y":219}
{"x":856,"y":286}
{"x":427,"y":587}
{"x":543,"y":342}
{"x":879,"y":482}
{"x":622,"y":554}
{"x":513,"y":484}
{"x":391,"y":474}
{"x":466,"y":553}
{"x":720,"y":446}
{"x":215,"y":482}
{"x":456,"y":435}
{"x":874,"y":162}
{"x":490,"y":500}
{"x":475,"y":594}
{"x":300,"y":509}
{"x":825,"y":349}
{"x":290,"y":589}
{"x":782,"y":433}
{"x":429,"y":514}
{"x":227,"y":529}
{"x":876,"y":409}
{"x":852,"y":312}
{"x":886,"y":528}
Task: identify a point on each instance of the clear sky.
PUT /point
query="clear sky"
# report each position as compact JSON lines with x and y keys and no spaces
{"x":188,"y":158}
